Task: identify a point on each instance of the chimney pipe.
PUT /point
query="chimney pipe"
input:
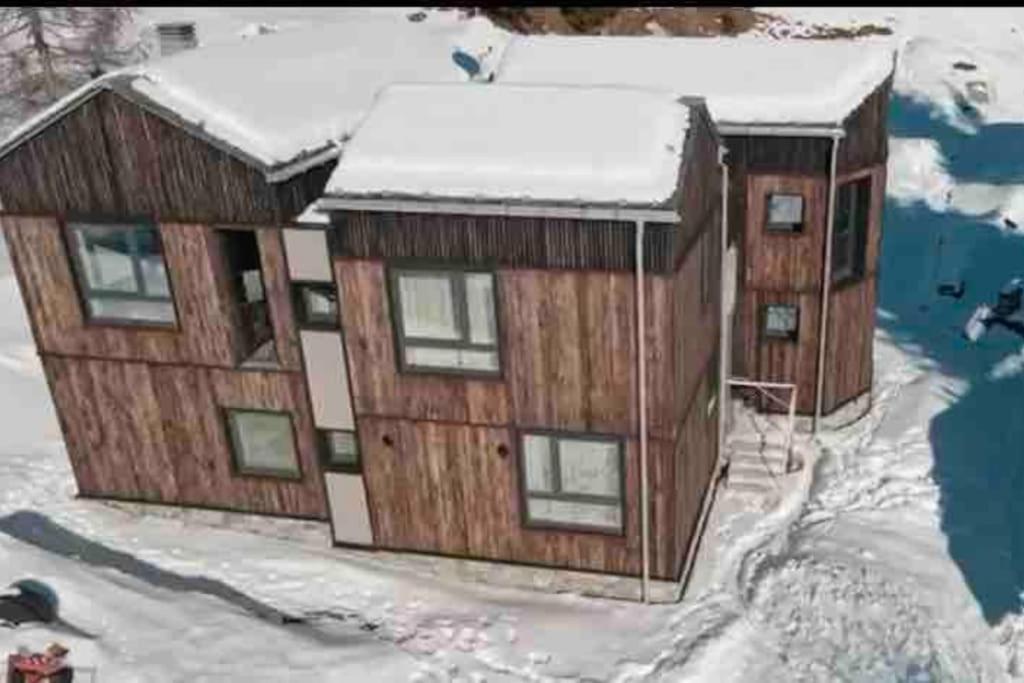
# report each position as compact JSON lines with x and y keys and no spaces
{"x":176,"y":36}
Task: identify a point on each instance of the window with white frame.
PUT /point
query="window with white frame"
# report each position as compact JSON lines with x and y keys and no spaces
{"x":121,"y":272}
{"x":572,"y":481}
{"x":785,"y":213}
{"x":446,"y":320}
{"x":781,"y":321}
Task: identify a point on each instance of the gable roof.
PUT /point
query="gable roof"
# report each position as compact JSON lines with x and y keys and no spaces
{"x":745,"y":80}
{"x":594,"y":145}
{"x":286,"y":98}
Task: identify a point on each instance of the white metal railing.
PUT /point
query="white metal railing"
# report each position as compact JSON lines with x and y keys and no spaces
{"x":765,"y":389}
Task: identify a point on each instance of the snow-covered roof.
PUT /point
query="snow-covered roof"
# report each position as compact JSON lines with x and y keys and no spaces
{"x":534,"y":143}
{"x":284,"y":96}
{"x":744,"y":80}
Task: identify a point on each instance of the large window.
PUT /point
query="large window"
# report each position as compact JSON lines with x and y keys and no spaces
{"x":785,"y":213}
{"x":263,"y":443}
{"x":121,"y":273}
{"x":571,"y":481}
{"x":445,"y":320}
{"x":850,"y":229}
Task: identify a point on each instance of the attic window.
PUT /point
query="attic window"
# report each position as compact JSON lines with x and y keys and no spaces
{"x":785,"y":213}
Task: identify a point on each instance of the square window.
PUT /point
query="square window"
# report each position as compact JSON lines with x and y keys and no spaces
{"x":316,"y":305}
{"x":446,"y":320}
{"x":263,"y":443}
{"x":340,"y":450}
{"x":121,"y":273}
{"x":785,"y":213}
{"x":572,"y":481}
{"x":781,"y":321}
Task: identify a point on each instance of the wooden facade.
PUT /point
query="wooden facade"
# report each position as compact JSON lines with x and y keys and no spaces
{"x":787,"y":268}
{"x":441,"y":460}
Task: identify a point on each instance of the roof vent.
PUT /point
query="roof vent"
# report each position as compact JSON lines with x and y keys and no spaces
{"x":176,"y":36}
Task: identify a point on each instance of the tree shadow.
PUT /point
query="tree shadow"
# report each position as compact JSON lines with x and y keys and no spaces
{"x":978,"y":441}
{"x":39,"y":530}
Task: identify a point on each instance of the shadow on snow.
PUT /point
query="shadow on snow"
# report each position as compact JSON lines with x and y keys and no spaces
{"x":39,"y":530}
{"x":978,"y":441}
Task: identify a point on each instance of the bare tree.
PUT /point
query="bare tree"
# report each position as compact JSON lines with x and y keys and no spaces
{"x":47,"y":51}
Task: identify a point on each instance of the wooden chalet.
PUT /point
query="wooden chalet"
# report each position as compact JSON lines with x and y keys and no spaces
{"x":486,"y":335}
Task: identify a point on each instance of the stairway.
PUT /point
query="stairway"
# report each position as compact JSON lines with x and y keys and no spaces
{"x":756,"y":450}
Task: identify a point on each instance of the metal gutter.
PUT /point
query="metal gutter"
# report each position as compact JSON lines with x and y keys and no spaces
{"x":293,"y":168}
{"x":501,"y":208}
{"x":792,"y":131}
{"x":641,"y":345}
{"x":826,"y":286}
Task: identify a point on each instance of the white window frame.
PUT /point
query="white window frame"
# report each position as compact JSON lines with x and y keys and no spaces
{"x":559,"y":495}
{"x":460,"y":306}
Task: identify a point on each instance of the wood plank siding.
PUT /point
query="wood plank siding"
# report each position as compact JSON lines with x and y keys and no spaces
{"x":156,"y":433}
{"x":787,"y":268}
{"x":110,"y":157}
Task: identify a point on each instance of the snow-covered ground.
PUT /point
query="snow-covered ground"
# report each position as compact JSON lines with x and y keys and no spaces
{"x":897,"y":556}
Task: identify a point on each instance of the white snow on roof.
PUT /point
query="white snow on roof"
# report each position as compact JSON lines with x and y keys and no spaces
{"x":597,"y":145}
{"x":292,"y":92}
{"x":278,"y":96}
{"x":744,"y":80}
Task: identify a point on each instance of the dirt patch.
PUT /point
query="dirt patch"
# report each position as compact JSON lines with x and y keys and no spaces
{"x":627,"y":21}
{"x":663,"y":21}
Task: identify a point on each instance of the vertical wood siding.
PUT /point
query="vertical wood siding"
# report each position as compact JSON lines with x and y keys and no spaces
{"x":111,"y":157}
{"x":156,"y":433}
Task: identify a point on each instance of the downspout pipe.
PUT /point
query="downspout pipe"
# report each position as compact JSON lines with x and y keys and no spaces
{"x":723,"y":384}
{"x":641,"y":368}
{"x":826,"y":286}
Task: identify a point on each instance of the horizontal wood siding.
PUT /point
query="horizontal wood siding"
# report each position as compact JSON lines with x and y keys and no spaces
{"x":500,"y":240}
{"x":156,"y":433}
{"x":446,"y":488}
{"x":111,"y":157}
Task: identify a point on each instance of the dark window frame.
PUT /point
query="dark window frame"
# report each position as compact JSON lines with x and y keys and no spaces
{"x":853,"y":199}
{"x":784,"y":228}
{"x":456,"y":276}
{"x":525,"y":494}
{"x":84,"y":290}
{"x":302,"y":318}
{"x":240,"y":470}
{"x":792,"y":336}
{"x":323,"y":441}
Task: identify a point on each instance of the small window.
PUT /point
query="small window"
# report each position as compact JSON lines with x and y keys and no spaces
{"x":446,"y":320}
{"x":850,"y":229}
{"x":785,"y":213}
{"x":340,"y":450}
{"x":121,"y":273}
{"x":572,"y":481}
{"x":263,"y":443}
{"x":316,"y":305}
{"x":781,"y":321}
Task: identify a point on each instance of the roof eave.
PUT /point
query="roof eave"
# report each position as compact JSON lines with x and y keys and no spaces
{"x":648,"y":213}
